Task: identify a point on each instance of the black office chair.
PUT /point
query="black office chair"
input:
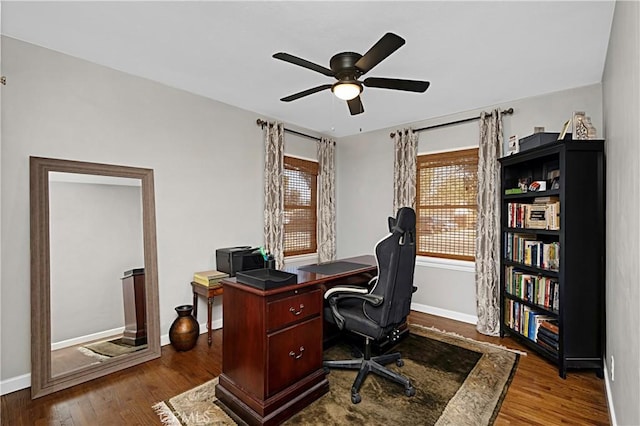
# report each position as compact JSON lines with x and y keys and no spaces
{"x":378,"y":311}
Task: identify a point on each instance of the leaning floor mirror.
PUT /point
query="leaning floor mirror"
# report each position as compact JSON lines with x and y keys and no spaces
{"x":94,"y":277}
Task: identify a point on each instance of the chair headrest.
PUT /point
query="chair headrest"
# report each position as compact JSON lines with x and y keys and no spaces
{"x":405,"y":221}
{"x":392,"y":223}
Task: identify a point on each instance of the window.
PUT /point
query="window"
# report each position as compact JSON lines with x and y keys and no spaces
{"x":300,"y":195}
{"x":446,"y":205}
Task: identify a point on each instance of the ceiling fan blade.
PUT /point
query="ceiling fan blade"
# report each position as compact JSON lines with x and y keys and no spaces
{"x":388,"y":44}
{"x":305,"y":93}
{"x":303,"y":63}
{"x":397,"y":84}
{"x":355,"y":106}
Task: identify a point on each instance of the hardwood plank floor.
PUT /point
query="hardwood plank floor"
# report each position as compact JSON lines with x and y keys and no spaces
{"x":537,"y":395}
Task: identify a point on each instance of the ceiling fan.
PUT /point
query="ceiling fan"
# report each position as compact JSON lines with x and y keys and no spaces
{"x":348,"y":67}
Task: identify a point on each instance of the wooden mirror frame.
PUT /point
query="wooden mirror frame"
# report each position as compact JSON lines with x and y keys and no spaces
{"x":42,"y":382}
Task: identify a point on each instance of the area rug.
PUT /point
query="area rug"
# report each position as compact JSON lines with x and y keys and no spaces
{"x":109,"y":349}
{"x":458,"y":381}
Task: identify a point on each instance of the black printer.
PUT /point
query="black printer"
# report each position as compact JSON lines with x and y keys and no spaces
{"x":235,"y":259}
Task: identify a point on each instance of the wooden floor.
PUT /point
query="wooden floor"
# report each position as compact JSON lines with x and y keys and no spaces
{"x":537,"y":395}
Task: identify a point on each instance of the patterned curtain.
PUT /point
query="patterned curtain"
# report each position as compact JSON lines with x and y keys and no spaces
{"x":326,"y":200}
{"x":274,"y":191}
{"x":404,"y":169}
{"x":488,"y":224}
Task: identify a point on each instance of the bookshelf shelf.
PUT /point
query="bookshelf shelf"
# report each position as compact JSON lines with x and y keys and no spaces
{"x":577,"y":284}
{"x":533,"y":231}
{"x":531,"y":269}
{"x":529,"y":195}
{"x":538,"y":308}
{"x":551,"y":356}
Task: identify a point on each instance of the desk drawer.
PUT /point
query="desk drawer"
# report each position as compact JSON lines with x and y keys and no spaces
{"x":293,"y":308}
{"x":293,"y":353}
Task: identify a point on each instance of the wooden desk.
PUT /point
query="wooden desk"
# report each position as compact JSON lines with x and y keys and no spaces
{"x":272,"y":344}
{"x":209,"y":293}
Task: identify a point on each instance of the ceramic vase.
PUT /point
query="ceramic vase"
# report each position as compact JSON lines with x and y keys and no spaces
{"x":185,"y":330}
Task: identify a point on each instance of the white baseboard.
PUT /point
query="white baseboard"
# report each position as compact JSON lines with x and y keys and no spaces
{"x":607,"y":385}
{"x":88,"y":338}
{"x":458,"y":316}
{"x":15,"y":384}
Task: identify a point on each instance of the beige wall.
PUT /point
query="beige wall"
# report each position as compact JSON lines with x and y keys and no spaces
{"x":207,"y":159}
{"x":621,"y":93}
{"x":365,"y":192}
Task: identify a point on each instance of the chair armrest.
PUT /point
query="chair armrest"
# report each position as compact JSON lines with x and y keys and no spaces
{"x":372,"y":281}
{"x":351,"y":293}
{"x":345,"y":289}
{"x":374,"y":299}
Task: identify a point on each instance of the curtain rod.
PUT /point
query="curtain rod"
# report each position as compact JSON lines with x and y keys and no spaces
{"x":263,"y":123}
{"x":508,"y":111}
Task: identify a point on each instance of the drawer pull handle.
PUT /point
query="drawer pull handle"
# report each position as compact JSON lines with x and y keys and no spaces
{"x":294,"y":312}
{"x":292,"y":354}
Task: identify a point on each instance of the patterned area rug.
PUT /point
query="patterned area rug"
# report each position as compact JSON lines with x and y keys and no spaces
{"x":109,"y":349}
{"x":458,"y":381}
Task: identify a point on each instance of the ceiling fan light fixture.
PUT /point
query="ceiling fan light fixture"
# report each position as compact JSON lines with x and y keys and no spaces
{"x":347,"y":91}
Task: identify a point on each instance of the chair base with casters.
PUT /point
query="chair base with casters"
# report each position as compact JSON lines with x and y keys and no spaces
{"x":369,"y":364}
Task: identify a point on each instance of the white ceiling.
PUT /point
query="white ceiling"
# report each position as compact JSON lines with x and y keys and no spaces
{"x":475,"y":54}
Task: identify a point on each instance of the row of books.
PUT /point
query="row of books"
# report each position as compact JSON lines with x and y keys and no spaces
{"x":541,"y":290}
{"x":529,"y":323}
{"x":544,"y":213}
{"x":525,"y":249}
{"x":210,"y":279}
{"x":549,"y":335}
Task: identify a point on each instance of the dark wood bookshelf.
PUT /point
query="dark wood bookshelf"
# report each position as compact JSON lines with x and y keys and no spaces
{"x":581,"y":274}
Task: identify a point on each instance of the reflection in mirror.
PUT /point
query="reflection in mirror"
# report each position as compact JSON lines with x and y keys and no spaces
{"x":95,"y":231}
{"x":94,"y":275}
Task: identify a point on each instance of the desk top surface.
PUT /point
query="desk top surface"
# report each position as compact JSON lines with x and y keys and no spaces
{"x":306,"y":278}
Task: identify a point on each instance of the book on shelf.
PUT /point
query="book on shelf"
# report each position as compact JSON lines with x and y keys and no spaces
{"x":209,"y":278}
{"x":544,"y":339}
{"x":547,"y":199}
{"x":525,"y":249}
{"x":536,"y":216}
{"x":538,"y":318}
{"x":543,"y":213}
{"x":513,"y":191}
{"x":548,"y":334}
{"x":551,"y":325}
{"x":547,"y":346}
{"x":538,"y":289}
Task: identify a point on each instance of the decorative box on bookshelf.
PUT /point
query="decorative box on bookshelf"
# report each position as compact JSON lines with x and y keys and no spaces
{"x":552,"y":262}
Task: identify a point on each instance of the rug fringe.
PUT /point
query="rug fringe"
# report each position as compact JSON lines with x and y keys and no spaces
{"x":92,"y":354}
{"x":166,"y":415}
{"x":450,"y":333}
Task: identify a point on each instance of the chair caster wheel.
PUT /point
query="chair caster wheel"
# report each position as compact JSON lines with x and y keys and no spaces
{"x":399,"y":362}
{"x":355,"y":398}
{"x":410,"y":391}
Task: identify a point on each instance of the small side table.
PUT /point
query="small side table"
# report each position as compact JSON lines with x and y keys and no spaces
{"x":209,"y":293}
